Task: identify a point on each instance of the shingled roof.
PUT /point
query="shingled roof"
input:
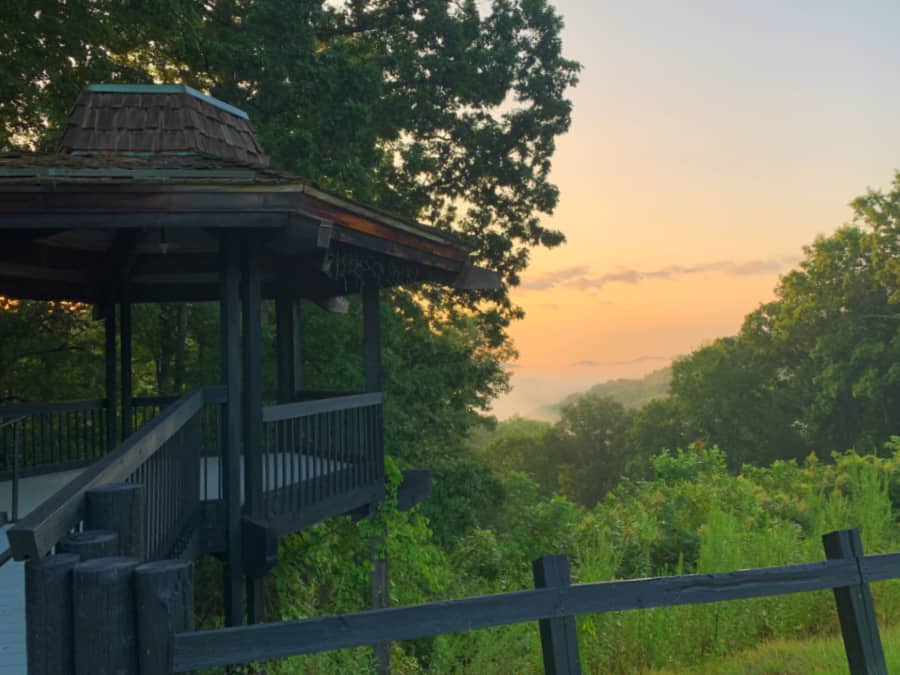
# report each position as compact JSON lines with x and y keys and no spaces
{"x":151,"y":119}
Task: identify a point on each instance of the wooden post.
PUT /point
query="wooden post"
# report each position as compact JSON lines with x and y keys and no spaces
{"x":230,"y":346}
{"x":48,"y":614}
{"x":109,"y":325}
{"x":559,"y":637}
{"x":251,"y":297}
{"x":105,"y":634}
{"x":380,"y":580}
{"x":125,"y":366}
{"x":90,"y":544}
{"x":164,"y":593}
{"x":297,"y":313}
{"x":286,"y":334}
{"x":856,"y":612}
{"x":120,"y":509}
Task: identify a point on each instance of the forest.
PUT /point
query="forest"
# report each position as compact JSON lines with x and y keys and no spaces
{"x":765,"y":440}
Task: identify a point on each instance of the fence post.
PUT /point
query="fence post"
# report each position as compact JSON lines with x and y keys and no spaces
{"x":90,"y":544}
{"x":164,"y":592}
{"x":856,"y":612}
{"x":48,"y":614}
{"x":119,"y":508}
{"x":105,"y":634}
{"x":559,"y":637}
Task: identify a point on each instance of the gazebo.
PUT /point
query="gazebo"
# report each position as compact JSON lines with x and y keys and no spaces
{"x":159,"y":194}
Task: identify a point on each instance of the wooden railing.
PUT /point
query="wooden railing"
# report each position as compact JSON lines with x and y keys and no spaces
{"x":164,"y":455}
{"x":320,"y":452}
{"x":555,"y":603}
{"x":41,"y":437}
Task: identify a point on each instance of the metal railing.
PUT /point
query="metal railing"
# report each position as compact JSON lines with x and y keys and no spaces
{"x":320,"y":449}
{"x":165,"y":455}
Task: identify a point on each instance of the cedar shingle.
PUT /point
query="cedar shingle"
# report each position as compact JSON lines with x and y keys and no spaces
{"x":159,"y":122}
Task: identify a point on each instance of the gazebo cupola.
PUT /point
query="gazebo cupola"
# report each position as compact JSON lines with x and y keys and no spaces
{"x":163,"y":194}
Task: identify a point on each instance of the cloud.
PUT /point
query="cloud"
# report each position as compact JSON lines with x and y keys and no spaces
{"x":551,"y":279}
{"x":577,"y":277}
{"x":640,"y":359}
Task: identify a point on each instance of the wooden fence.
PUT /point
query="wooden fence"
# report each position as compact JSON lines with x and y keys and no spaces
{"x":555,"y":603}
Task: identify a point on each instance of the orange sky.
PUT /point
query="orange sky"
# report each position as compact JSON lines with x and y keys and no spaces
{"x":710,"y":142}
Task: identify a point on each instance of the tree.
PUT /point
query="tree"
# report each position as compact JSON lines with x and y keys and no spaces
{"x":590,"y":448}
{"x":818,"y":368}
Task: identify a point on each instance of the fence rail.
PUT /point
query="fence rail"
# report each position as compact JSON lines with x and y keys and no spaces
{"x":848,"y":575}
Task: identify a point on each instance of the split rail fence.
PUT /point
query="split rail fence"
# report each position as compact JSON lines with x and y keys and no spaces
{"x":555,"y":603}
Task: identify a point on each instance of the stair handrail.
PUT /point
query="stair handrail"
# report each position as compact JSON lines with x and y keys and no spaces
{"x":35,"y":534}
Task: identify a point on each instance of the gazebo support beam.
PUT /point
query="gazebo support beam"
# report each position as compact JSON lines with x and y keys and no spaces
{"x":289,"y":347}
{"x":125,"y":367}
{"x":230,"y":345}
{"x":109,"y":353}
{"x":373,"y":373}
{"x":251,"y":297}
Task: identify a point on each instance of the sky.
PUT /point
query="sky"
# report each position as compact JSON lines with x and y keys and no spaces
{"x":711,"y":141}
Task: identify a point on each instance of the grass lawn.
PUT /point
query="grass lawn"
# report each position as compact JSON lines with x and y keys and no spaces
{"x":822,"y":655}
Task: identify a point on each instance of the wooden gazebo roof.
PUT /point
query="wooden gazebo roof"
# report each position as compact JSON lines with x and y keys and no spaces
{"x":148,"y":178}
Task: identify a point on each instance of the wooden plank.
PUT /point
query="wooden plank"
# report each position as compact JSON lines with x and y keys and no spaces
{"x":263,"y":642}
{"x":346,"y":502}
{"x":288,"y":411}
{"x":856,"y":612}
{"x":32,"y":537}
{"x":559,"y":636}
{"x":880,"y":567}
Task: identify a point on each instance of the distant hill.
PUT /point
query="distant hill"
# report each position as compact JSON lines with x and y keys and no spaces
{"x":630,"y":393}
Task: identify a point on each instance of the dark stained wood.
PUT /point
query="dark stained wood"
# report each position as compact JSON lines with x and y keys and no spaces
{"x":414,"y":489}
{"x":371,"y":337}
{"x":859,"y":626}
{"x":396,"y":249}
{"x":125,"y":366}
{"x":559,"y":636}
{"x":105,"y":635}
{"x":34,"y":534}
{"x":48,"y":615}
{"x":109,"y":318}
{"x":164,"y":595}
{"x":230,"y":348}
{"x":120,"y":507}
{"x":288,"y":411}
{"x":90,"y":544}
{"x":286,"y":335}
{"x":380,"y":577}
{"x":259,"y":643}
{"x":343,"y":503}
{"x":880,"y":567}
{"x":260,"y":541}
{"x":251,"y":305}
